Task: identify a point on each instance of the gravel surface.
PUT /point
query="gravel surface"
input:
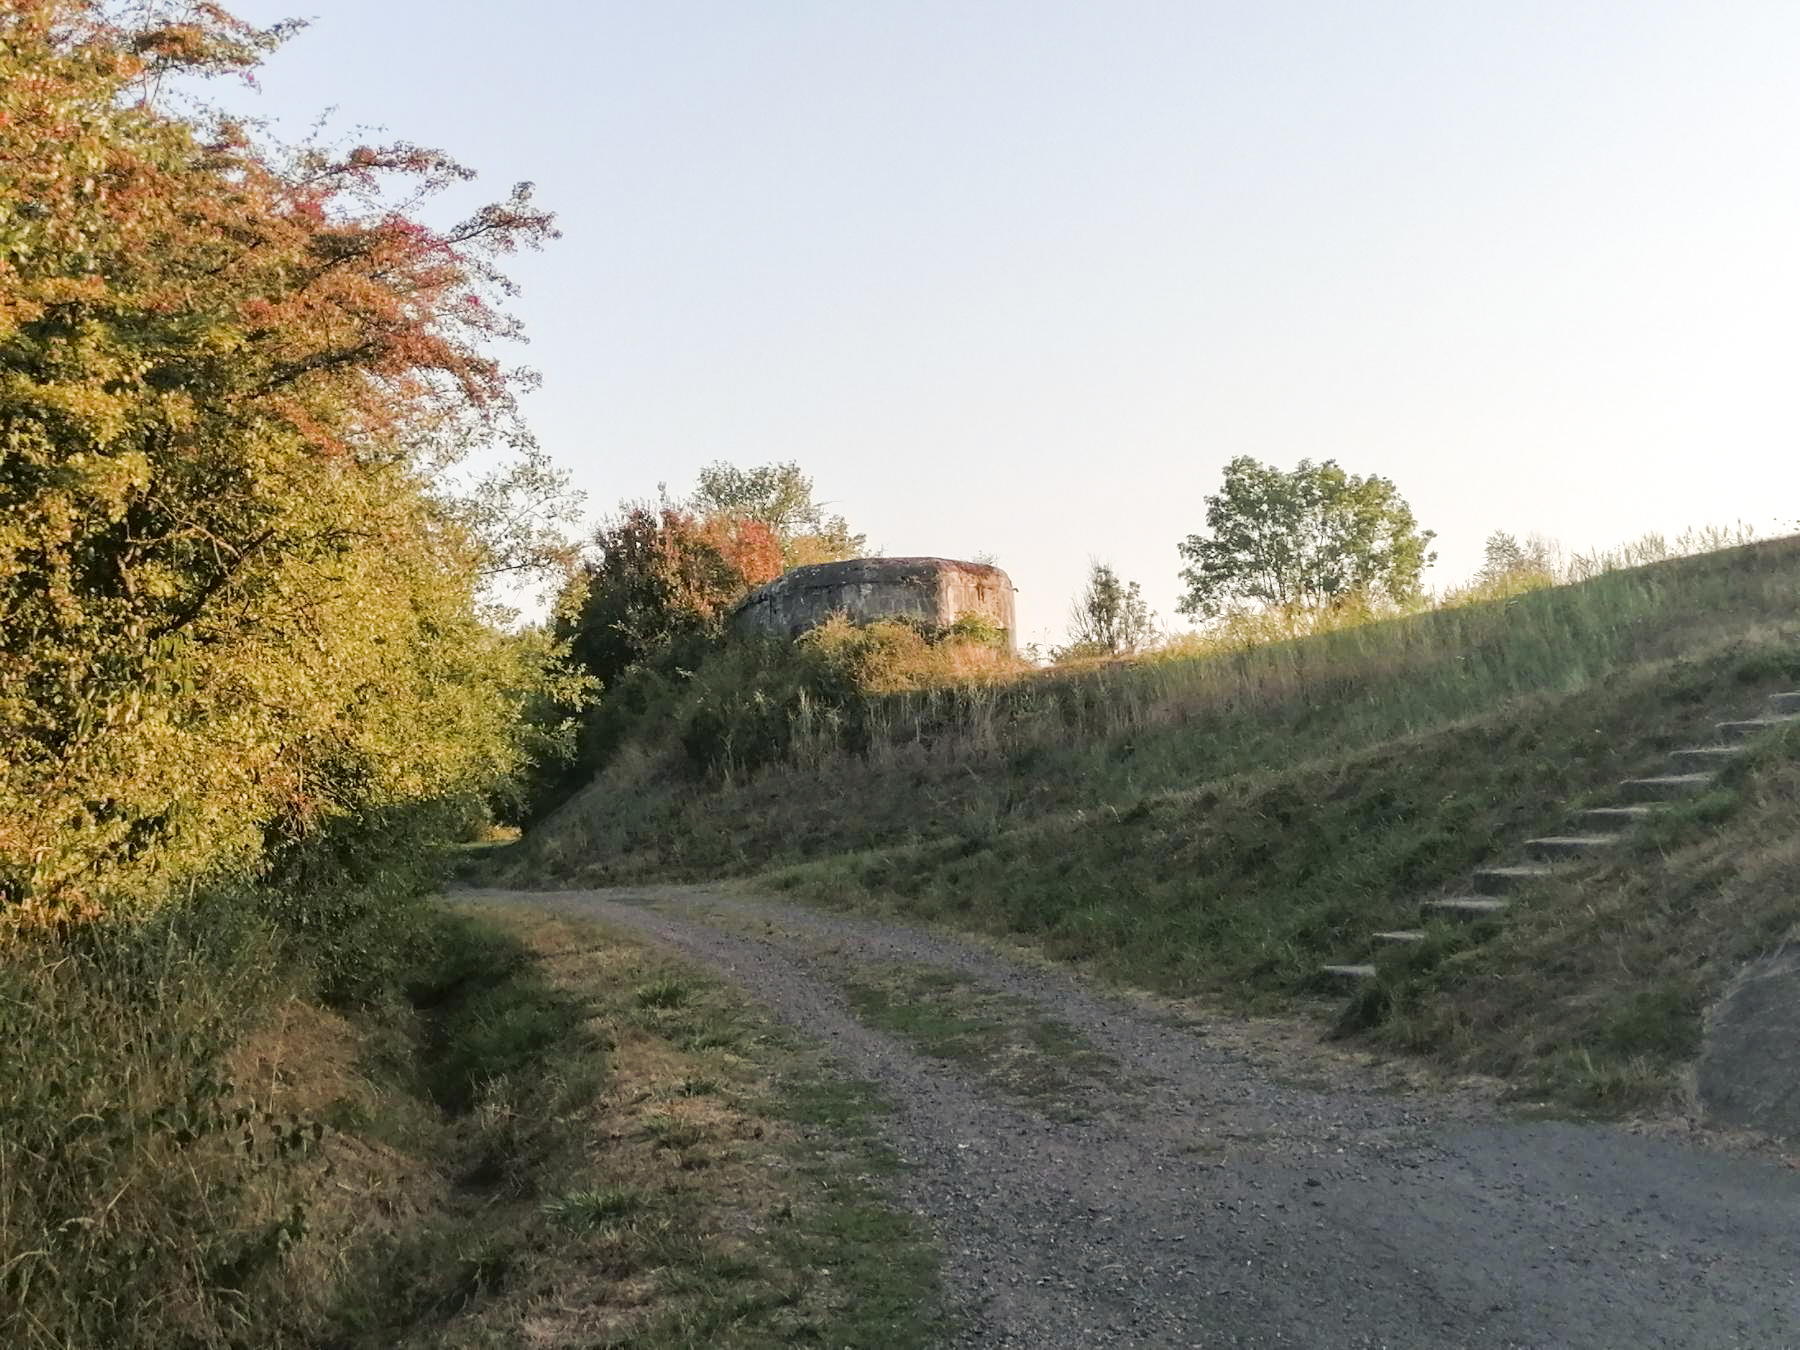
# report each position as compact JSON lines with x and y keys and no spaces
{"x":1240,"y":1195}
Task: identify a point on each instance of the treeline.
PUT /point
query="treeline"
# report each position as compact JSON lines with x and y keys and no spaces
{"x":1288,"y":554}
{"x":240,"y":610}
{"x":249,"y":681}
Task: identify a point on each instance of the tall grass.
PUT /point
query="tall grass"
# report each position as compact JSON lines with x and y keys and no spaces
{"x":1221,"y":819}
{"x":141,"y":1197}
{"x":862,"y":768}
{"x":163,"y":1156}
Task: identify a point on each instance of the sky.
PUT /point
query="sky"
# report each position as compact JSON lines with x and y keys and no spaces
{"x":1018,"y":278}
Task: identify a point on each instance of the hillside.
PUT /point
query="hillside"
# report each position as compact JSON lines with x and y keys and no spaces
{"x":1221,"y":827}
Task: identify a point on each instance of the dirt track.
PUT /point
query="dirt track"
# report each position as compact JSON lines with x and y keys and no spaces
{"x":1249,"y":1189}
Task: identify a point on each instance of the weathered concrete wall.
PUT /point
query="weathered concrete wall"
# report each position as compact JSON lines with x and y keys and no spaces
{"x":935,"y":590}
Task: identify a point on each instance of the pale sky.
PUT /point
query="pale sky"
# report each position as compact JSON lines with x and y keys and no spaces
{"x":1019,"y":278}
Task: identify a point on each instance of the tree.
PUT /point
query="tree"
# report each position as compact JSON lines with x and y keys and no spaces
{"x":1313,"y":538}
{"x":1109,"y":617}
{"x":779,"y":496}
{"x":658,"y":573}
{"x":239,"y":599}
{"x":1506,"y":561}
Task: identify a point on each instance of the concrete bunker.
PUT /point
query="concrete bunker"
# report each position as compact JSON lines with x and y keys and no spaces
{"x":932,"y":590}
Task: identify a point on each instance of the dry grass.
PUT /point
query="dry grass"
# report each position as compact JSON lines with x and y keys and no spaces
{"x":947,"y":760}
{"x":197,"y":1154}
{"x":667,"y":1191}
{"x":167,"y":1173}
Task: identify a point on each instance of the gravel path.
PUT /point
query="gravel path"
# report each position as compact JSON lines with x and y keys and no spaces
{"x":1228,"y":1203}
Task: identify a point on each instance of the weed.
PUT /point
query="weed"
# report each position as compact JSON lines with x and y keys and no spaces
{"x":673,"y":1131}
{"x":666,"y":994}
{"x":593,"y":1208}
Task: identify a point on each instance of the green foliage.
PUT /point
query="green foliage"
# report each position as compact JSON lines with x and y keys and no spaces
{"x":779,"y":496}
{"x":680,"y":1228}
{"x":351,"y":899}
{"x":237,"y":601}
{"x":492,"y":1012}
{"x":667,"y":993}
{"x":593,"y":1209}
{"x":1239,"y":886}
{"x":659,"y":572}
{"x":242,"y":635}
{"x":1507,"y":562}
{"x":706,"y":706}
{"x":1307,"y":539}
{"x":649,"y":605}
{"x":758,"y":702}
{"x":1222,"y":823}
{"x":1109,"y":617}
{"x":655,"y":577}
{"x":951,"y":767}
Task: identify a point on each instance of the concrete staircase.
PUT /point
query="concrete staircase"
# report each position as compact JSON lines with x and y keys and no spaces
{"x":1598,"y":830}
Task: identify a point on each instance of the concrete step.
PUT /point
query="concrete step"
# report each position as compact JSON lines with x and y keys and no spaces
{"x":1753,"y":726}
{"x":1350,"y":972}
{"x":1500,"y":880}
{"x":1784,"y":704}
{"x":1665,"y":788}
{"x":1466,"y":907}
{"x":1702,"y":757}
{"x":1603,"y":819}
{"x":1401,"y":935}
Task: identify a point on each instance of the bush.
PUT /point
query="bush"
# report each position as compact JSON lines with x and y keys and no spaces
{"x":709,"y":705}
{"x":760,"y":701}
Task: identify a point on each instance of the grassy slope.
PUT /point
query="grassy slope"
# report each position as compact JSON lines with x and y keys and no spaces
{"x":639,"y":1159}
{"x":1593,"y":992}
{"x":557,"y":1137}
{"x":1219,"y":827}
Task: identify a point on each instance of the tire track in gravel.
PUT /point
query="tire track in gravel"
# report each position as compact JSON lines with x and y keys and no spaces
{"x":1354,"y":1218}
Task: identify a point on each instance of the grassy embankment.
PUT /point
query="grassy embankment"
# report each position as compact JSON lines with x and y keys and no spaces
{"x":502,"y":1128}
{"x":1218,"y":826}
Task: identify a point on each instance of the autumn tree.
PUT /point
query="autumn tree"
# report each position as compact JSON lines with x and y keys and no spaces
{"x":779,"y":496}
{"x":657,"y":573}
{"x":1310,"y":539}
{"x":1109,"y":618}
{"x":238,"y":599}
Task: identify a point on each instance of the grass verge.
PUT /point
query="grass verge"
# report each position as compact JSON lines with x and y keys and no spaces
{"x":1592,"y":994}
{"x":526,"y":1131}
{"x":640,"y":1160}
{"x":963,"y":762}
{"x":1004,"y":1041}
